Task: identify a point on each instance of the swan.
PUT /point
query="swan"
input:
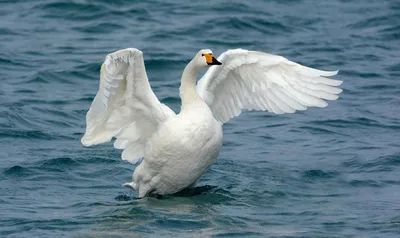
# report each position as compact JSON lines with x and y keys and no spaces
{"x":175,"y":150}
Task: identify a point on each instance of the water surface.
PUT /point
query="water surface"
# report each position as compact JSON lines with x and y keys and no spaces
{"x":331,"y":172}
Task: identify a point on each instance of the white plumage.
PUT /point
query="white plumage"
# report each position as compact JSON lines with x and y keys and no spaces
{"x":255,"y":80}
{"x":178,"y":148}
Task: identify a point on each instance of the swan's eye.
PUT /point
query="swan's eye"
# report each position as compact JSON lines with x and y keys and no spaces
{"x":202,"y":54}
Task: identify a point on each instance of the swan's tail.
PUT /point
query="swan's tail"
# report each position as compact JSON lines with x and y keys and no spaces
{"x":131,"y":185}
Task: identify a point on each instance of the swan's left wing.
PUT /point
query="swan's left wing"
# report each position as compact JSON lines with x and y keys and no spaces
{"x":251,"y":80}
{"x":125,"y":107}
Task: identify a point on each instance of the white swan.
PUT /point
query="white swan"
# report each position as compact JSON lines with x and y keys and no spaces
{"x":178,"y":148}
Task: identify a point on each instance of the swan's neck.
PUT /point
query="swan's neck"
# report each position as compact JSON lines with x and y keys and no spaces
{"x":187,"y":91}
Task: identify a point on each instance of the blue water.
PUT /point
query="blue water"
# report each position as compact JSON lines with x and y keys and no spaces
{"x":331,"y":172}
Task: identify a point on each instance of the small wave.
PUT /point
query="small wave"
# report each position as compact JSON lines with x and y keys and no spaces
{"x":237,"y":7}
{"x":385,"y":163}
{"x":8,"y":32}
{"x":319,"y":174}
{"x":40,"y":102}
{"x":23,"y":91}
{"x":67,"y":10}
{"x":394,"y":69}
{"x":91,"y":67}
{"x":66,"y":6}
{"x":86,"y":71}
{"x":359,"y":74}
{"x":18,"y":171}
{"x":364,"y":183}
{"x":9,"y":62}
{"x":251,"y":23}
{"x":108,"y":173}
{"x":103,"y":27}
{"x":274,"y":194}
{"x":319,"y":130}
{"x":371,"y":22}
{"x":326,"y":49}
{"x":98,"y":160}
{"x":377,"y":87}
{"x":59,"y":162}
{"x":353,"y":122}
{"x":246,"y":23}
{"x":391,"y":32}
{"x":175,"y":224}
{"x":45,"y":117}
{"x":82,"y":72}
{"x":38,"y":122}
{"x":29,"y":134}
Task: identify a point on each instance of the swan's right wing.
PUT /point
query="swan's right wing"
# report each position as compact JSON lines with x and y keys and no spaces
{"x":125,"y":107}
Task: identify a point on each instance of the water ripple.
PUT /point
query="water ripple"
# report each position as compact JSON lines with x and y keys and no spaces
{"x":315,"y":173}
{"x":18,"y":171}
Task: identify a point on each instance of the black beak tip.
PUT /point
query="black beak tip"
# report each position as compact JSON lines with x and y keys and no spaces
{"x":215,"y":62}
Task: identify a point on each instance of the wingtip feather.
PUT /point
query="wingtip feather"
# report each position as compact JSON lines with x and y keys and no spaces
{"x":85,"y":142}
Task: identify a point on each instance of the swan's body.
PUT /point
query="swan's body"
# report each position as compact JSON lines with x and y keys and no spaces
{"x":183,"y":148}
{"x":178,"y":148}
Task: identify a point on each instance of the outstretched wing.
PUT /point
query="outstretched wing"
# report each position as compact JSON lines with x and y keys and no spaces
{"x":251,"y":80}
{"x":125,"y":107}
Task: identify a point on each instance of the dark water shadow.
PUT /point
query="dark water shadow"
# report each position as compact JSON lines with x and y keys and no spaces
{"x":187,"y":192}
{"x":190,"y":192}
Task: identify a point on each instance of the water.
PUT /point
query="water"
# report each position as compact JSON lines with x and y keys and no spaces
{"x":332,"y":172}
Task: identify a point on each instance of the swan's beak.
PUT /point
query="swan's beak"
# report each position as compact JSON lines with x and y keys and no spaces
{"x":211,"y":60}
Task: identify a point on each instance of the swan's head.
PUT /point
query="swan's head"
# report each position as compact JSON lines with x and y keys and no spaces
{"x":206,"y":58}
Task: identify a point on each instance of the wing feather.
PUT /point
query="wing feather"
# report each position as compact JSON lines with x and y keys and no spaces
{"x":125,"y":107}
{"x":249,"y":80}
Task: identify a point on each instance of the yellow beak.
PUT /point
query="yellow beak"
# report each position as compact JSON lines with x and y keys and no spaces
{"x":211,"y":60}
